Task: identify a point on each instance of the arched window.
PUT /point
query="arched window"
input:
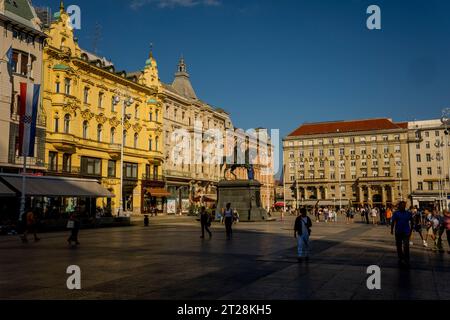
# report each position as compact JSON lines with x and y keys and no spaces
{"x":150,"y":144}
{"x":136,"y":112}
{"x":124,"y":138}
{"x":113,"y":135}
{"x":157,"y":143}
{"x":136,"y":139}
{"x":67,"y":123}
{"x":85,"y":129}
{"x":56,"y":124}
{"x":99,"y":133}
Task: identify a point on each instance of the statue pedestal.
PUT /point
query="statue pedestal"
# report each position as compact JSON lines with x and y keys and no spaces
{"x":244,"y":196}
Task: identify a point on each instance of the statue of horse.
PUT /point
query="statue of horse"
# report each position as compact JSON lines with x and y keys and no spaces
{"x":232,"y":168}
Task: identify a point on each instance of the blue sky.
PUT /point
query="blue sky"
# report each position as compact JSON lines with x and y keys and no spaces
{"x":280,"y":63}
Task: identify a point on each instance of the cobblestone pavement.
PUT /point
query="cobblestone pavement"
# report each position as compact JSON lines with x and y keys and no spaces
{"x":168,"y":261}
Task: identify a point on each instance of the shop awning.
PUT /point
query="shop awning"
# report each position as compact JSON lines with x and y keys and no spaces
{"x":57,"y":187}
{"x":158,"y":192}
{"x":6,"y":192}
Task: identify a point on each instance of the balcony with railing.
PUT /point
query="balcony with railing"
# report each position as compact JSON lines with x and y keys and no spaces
{"x":70,"y":171}
{"x":151,"y":177}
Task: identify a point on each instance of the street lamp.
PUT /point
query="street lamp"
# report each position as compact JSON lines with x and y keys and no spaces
{"x":128,"y":101}
{"x":399,"y":173}
{"x":442,"y":183}
{"x":445,"y":119}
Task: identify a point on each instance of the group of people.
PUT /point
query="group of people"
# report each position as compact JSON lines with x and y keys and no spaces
{"x":403,"y":223}
{"x":30,"y":221}
{"x":329,"y":214}
{"x":407,"y":222}
{"x":229,"y":217}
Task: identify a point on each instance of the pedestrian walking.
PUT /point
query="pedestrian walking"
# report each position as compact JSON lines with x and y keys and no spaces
{"x":417,"y":219}
{"x":440,"y":229}
{"x":31,"y":222}
{"x":388,"y":215}
{"x":402,"y":222}
{"x":382,"y":215}
{"x":205,"y":221}
{"x":374,"y":214}
{"x":74,"y":225}
{"x":366,"y":214}
{"x":228,"y":214}
{"x":447,"y":227}
{"x":302,"y":232}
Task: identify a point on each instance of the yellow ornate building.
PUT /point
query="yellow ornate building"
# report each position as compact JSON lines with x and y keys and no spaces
{"x":83,"y":97}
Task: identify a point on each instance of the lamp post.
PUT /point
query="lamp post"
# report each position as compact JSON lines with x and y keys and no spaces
{"x":297,"y":200}
{"x":445,"y":119}
{"x":440,"y":144}
{"x":128,"y":101}
{"x":399,"y":172}
{"x":340,"y":184}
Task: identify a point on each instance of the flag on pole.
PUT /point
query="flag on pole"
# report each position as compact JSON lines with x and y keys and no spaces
{"x":29,"y":98}
{"x":9,"y":55}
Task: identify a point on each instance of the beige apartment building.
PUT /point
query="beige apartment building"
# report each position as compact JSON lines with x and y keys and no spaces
{"x":189,"y":180}
{"x":194,"y":180}
{"x":429,"y":156}
{"x":362,"y":162}
{"x":19,"y":30}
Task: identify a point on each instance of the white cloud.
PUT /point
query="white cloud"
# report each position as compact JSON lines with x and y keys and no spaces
{"x":136,"y":4}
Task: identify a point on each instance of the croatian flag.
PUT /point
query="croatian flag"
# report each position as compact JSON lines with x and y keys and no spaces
{"x":29,"y":99}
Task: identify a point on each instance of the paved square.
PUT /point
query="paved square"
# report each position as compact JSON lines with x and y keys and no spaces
{"x":168,"y":261}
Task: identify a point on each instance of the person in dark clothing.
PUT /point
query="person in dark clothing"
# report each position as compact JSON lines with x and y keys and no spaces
{"x":403,"y":223}
{"x":205,"y":221}
{"x":30,"y":225}
{"x":366,"y":214}
{"x":383,"y":215}
{"x":228,"y":215}
{"x":447,"y":227}
{"x":74,"y":225}
{"x":302,"y":231}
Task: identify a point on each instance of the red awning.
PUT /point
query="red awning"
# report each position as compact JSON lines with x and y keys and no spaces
{"x":279,"y":204}
{"x":158,"y":192}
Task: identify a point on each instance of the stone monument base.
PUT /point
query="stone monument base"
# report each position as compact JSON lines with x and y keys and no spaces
{"x":245,"y":198}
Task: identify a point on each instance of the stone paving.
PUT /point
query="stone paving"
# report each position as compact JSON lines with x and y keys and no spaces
{"x":169,"y":261}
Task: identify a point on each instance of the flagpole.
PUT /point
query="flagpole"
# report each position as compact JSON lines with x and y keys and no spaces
{"x":24,"y":153}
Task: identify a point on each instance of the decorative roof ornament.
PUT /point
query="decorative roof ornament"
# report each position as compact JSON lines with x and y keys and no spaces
{"x":181,"y":83}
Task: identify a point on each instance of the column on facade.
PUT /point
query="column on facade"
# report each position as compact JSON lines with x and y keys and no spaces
{"x":383,"y":195}
{"x":369,"y":194}
{"x":318,"y":193}
{"x":361,"y":194}
{"x":393,"y":193}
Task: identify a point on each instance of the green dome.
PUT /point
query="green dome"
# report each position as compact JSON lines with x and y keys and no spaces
{"x":148,"y":62}
{"x":61,"y":67}
{"x":56,"y":15}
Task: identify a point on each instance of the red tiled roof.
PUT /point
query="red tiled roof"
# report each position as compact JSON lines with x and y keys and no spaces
{"x":403,"y":125}
{"x":345,"y":126}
